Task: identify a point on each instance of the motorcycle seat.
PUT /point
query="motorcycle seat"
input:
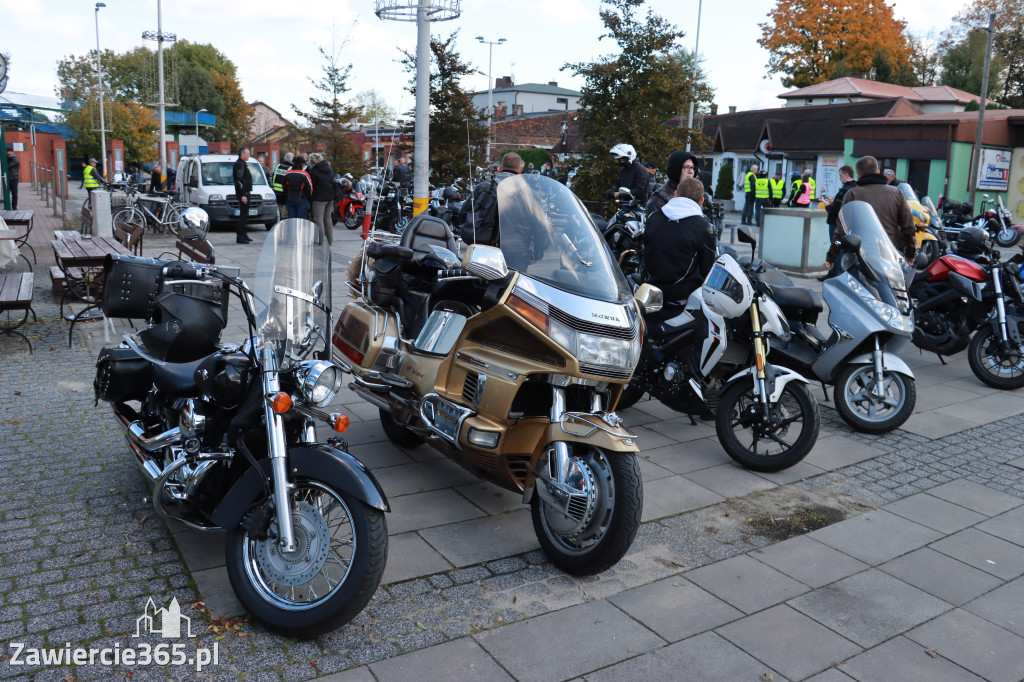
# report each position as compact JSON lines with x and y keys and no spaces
{"x":425,"y":231}
{"x":796,"y":298}
{"x":177,"y":379}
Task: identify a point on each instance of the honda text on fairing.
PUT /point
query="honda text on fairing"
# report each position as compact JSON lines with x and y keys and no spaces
{"x":509,"y":361}
{"x":225,"y":434}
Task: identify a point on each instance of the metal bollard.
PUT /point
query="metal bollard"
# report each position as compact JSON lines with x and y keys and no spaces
{"x":63,"y":200}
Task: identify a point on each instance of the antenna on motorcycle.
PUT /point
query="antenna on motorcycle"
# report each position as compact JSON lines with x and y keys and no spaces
{"x":387,"y":164}
{"x":469,"y":168}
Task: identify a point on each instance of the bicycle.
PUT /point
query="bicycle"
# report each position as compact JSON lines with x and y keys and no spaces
{"x":138,"y":211}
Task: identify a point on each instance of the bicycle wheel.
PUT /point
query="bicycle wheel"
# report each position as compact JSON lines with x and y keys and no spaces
{"x":129,"y":215}
{"x":170,"y":219}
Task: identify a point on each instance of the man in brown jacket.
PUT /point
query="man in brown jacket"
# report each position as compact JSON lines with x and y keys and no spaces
{"x":890,"y":206}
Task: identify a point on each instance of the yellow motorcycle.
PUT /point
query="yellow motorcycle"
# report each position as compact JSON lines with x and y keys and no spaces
{"x":510,"y":361}
{"x":931,"y":238}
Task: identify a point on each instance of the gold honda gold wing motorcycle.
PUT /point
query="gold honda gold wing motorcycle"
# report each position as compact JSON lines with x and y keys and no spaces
{"x":509,"y":361}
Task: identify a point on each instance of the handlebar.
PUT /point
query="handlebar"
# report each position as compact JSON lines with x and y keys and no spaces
{"x":181,"y":270}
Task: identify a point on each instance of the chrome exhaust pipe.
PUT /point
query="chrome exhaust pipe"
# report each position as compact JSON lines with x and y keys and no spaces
{"x":141,"y":446}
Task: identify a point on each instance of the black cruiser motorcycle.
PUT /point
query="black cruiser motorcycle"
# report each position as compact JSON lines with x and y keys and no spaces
{"x":225,"y":434}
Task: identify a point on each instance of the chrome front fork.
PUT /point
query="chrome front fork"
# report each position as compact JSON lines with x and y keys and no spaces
{"x":997,"y":284}
{"x":879,"y":388}
{"x":278,"y":454}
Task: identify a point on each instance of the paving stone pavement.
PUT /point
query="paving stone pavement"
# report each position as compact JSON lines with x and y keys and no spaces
{"x":921,"y":580}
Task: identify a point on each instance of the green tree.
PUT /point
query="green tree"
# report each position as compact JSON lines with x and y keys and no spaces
{"x":723,"y":190}
{"x":925,"y":58}
{"x":965,"y":42}
{"x":373,"y":107}
{"x":630,"y":96}
{"x":330,"y":118}
{"x":452,"y":114}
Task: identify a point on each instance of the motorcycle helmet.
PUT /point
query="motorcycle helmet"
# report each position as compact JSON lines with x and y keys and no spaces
{"x":451,"y":194}
{"x":193,"y":223}
{"x":972,"y":241}
{"x":726,"y":290}
{"x":623,"y":151}
{"x":345,"y":184}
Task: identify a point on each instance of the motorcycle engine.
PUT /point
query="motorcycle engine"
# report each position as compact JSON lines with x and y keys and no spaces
{"x":670,"y":384}
{"x":934,"y":323}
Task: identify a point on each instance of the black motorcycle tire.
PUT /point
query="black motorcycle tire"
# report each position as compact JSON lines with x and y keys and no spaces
{"x":1004,"y":235}
{"x":618,"y":474}
{"x":398,"y":434}
{"x":983,"y":362}
{"x":849,"y":413}
{"x":751,"y":459}
{"x":930,"y":249}
{"x":354,"y":219}
{"x":357,"y":588}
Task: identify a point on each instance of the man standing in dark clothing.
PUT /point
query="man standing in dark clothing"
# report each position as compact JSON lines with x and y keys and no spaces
{"x":401,"y":174}
{"x":890,"y":206}
{"x":679,"y":243}
{"x":846,"y":177}
{"x":749,"y":195}
{"x":483,"y":230}
{"x":681,"y":165}
{"x":243,"y":186}
{"x":632,"y":175}
{"x":13,"y":177}
{"x":298,"y":189}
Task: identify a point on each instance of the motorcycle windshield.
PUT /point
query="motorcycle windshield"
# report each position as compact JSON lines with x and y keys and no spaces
{"x":908,"y":191}
{"x":547,"y":234}
{"x":292,"y":291}
{"x":860,"y":219}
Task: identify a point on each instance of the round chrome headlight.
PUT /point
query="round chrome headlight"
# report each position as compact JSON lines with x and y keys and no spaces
{"x":319,"y":382}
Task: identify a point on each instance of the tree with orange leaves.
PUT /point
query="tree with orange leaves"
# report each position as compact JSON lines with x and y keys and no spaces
{"x":812,"y":41}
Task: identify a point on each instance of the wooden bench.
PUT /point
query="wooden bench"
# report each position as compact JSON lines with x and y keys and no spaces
{"x":16,"y":294}
{"x":130,"y":236}
{"x":197,"y":250}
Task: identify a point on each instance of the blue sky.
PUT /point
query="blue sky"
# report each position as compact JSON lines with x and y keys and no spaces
{"x":274,"y":42}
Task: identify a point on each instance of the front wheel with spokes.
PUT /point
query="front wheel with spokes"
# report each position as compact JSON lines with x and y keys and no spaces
{"x":767,"y":439}
{"x":871,"y":408}
{"x":170,"y":218}
{"x":997,"y":364}
{"x":330,"y":577}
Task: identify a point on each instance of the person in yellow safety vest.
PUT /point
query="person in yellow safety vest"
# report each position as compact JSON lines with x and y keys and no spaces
{"x":91,"y":180}
{"x":749,"y":181}
{"x":778,"y":186}
{"x":794,"y":188}
{"x":761,"y":195}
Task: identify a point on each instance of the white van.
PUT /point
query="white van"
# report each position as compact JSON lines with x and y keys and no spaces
{"x":205,"y":180}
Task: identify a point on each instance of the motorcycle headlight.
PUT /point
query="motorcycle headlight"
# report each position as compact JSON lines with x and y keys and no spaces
{"x":319,"y":382}
{"x":889,"y":314}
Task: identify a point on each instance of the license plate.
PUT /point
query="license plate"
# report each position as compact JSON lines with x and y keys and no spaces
{"x":254,"y":211}
{"x":447,"y":420}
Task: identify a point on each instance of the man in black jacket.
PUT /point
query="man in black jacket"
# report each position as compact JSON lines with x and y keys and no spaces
{"x":632,"y":174}
{"x":679,"y":243}
{"x":13,"y":177}
{"x":243,"y":186}
{"x":846,"y":177}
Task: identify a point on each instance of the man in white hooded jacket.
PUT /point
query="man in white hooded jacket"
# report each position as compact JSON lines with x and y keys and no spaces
{"x":679,"y":243}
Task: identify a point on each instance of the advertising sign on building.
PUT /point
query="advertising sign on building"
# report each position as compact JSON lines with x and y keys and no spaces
{"x":828,"y":176}
{"x":994,"y":170}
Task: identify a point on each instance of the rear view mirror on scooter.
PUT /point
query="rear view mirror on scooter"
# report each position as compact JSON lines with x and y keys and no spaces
{"x":850,"y":243}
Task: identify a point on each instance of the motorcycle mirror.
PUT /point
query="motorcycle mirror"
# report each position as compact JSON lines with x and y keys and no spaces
{"x":745,"y":236}
{"x":650,"y":298}
{"x":850,"y":243}
{"x":486,"y":262}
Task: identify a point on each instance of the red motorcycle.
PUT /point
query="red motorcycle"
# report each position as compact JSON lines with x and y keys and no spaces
{"x":351,"y":206}
{"x":973,"y":293}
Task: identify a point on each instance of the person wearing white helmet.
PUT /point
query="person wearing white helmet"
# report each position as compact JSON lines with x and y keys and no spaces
{"x":632,"y":174}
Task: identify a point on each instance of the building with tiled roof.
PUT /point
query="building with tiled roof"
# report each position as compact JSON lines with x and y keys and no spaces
{"x":931,"y":99}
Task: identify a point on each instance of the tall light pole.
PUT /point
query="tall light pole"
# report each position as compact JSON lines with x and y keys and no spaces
{"x":423,"y":12}
{"x":976,"y":161}
{"x":490,"y":89}
{"x":197,"y":129}
{"x":99,"y":71}
{"x":160,"y":37}
{"x":696,"y":63}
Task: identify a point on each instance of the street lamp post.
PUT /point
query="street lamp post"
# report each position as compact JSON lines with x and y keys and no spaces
{"x":197,"y":129}
{"x":696,"y":63}
{"x":99,"y":70}
{"x":490,"y":89}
